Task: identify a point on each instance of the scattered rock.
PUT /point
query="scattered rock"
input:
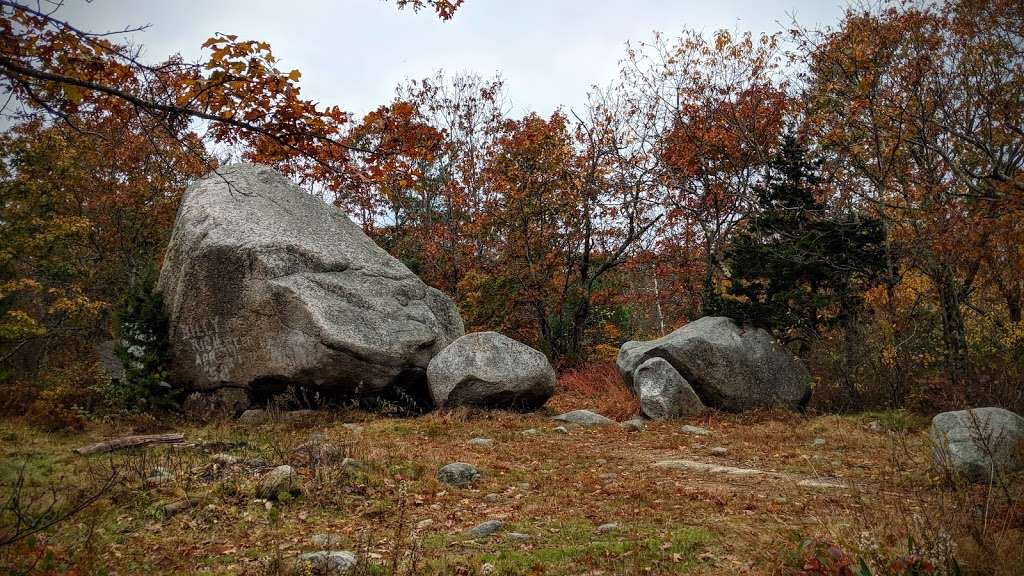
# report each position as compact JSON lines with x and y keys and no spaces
{"x":663,"y":393}
{"x":719,"y":451}
{"x":425,"y":523}
{"x":178,"y":506}
{"x":705,"y":467}
{"x":490,"y":370}
{"x":560,"y":430}
{"x":325,"y":541}
{"x":584,"y":418}
{"x":353,"y":427}
{"x":485,"y":529}
{"x":159,"y":476}
{"x":729,"y":367}
{"x":530,"y":431}
{"x":254,"y":416}
{"x":875,"y":426}
{"x":694,"y":430}
{"x":481,"y":441}
{"x":305,"y":416}
{"x":600,"y":461}
{"x":517,"y":536}
{"x":818,"y":443}
{"x":224,"y":459}
{"x":487,"y":568}
{"x":490,"y":498}
{"x":607,"y":528}
{"x":633,"y":425}
{"x":351,"y":463}
{"x":264,"y":282}
{"x":608,"y":477}
{"x":978,"y":444}
{"x":282,"y":479}
{"x":326,"y":563}
{"x":458,"y":474}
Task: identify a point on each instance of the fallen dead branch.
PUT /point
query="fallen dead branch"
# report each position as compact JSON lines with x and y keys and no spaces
{"x":131,"y":442}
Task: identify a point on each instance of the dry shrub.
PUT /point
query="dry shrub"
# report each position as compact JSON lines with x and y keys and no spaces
{"x":595,"y":387}
{"x":67,"y":396}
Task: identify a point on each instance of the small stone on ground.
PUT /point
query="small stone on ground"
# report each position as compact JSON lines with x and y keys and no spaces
{"x":457,"y":474}
{"x":485,"y":529}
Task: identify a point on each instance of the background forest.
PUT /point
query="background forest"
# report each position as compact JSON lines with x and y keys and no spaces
{"x":857,"y":190}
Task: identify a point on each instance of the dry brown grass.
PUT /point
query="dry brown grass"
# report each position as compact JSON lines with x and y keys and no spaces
{"x":555,"y":487}
{"x":597,"y":387}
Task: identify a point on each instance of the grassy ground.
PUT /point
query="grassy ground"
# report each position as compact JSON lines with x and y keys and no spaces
{"x":556,"y":488}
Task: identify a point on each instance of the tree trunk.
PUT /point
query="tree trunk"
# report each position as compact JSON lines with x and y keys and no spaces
{"x":954,"y":333}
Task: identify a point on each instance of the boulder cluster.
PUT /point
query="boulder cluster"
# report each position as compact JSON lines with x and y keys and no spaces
{"x":266,"y":287}
{"x":712,"y":363}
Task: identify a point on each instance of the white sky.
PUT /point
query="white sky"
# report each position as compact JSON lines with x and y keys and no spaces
{"x":352,"y":53}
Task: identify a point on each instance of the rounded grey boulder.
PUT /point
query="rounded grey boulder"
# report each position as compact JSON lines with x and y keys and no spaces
{"x":282,"y":479}
{"x":729,"y":367}
{"x":663,"y":393}
{"x":457,"y":474}
{"x":267,"y":285}
{"x":978,"y":444}
{"x":488,"y":369}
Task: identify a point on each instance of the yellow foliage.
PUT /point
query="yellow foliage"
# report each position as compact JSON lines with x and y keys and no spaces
{"x":605,"y":353}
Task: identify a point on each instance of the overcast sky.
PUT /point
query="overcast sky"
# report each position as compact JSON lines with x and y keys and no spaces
{"x":352,"y":53}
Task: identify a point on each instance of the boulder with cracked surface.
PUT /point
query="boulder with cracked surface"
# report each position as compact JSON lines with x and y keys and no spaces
{"x":729,"y":367}
{"x":268,"y":286}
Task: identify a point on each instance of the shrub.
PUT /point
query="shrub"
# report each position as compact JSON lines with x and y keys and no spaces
{"x":67,"y":396}
{"x":597,"y":387}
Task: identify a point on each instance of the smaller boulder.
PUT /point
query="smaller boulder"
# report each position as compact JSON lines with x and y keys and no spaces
{"x":280,"y":480}
{"x":458,"y":474}
{"x":663,"y":393}
{"x":584,"y":418}
{"x":489,"y":370}
{"x":607,"y":528}
{"x":974,"y":444}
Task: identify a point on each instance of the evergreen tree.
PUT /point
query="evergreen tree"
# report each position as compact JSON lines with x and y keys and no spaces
{"x":144,"y":347}
{"x":800,"y":266}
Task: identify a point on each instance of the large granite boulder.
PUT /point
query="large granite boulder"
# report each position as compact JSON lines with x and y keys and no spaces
{"x":266,"y":285}
{"x":663,"y":393}
{"x":730,"y":368}
{"x":978,"y":444}
{"x":490,"y":370}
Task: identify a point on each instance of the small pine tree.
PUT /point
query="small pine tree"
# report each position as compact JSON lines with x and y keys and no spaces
{"x":144,"y":347}
{"x":800,"y":266}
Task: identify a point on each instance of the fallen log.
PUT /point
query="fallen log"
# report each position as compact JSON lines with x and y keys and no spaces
{"x":131,"y":442}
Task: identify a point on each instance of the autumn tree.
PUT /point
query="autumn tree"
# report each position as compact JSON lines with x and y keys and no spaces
{"x":82,"y":213}
{"x":709,"y":112}
{"x":921,"y":107}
